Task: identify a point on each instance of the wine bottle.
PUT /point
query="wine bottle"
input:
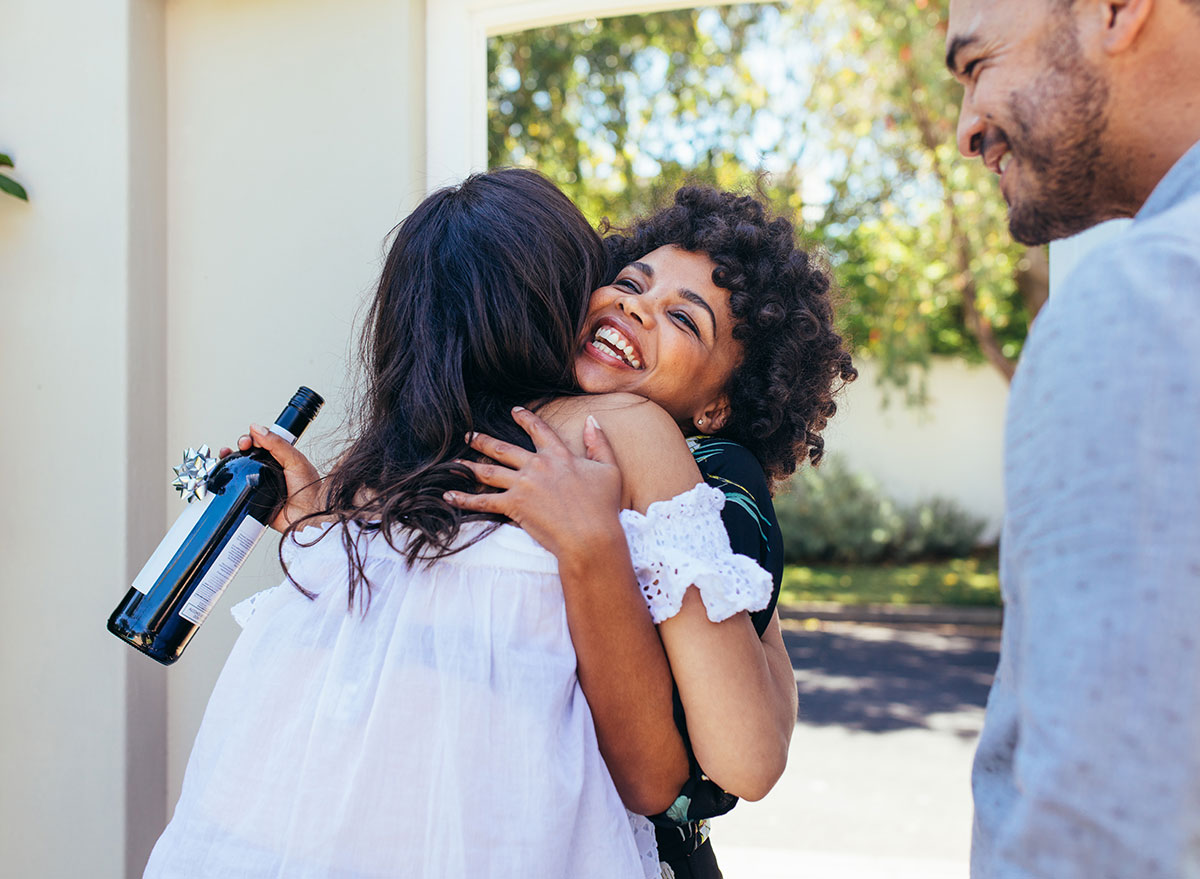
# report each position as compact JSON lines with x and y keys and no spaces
{"x":182,"y":580}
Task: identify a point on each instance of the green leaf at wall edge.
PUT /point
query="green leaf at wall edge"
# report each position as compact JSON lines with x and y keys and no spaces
{"x":5,"y":161}
{"x":13,"y":188}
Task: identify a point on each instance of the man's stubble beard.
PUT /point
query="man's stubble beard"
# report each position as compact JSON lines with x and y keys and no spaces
{"x":1059,"y":124}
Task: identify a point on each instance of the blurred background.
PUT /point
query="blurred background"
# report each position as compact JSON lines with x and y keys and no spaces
{"x":842,"y":114}
{"x":195,"y":196}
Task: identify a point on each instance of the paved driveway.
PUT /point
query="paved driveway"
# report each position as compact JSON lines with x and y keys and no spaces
{"x":877,"y":783}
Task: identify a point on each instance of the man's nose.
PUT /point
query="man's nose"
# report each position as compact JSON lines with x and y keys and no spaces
{"x":971,"y":127}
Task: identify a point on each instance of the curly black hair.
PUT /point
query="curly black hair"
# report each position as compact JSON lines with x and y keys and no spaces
{"x":793,"y":360}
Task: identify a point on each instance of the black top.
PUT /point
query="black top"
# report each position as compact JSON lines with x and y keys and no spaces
{"x":749,"y":517}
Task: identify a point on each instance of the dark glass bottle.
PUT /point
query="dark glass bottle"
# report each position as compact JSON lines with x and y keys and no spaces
{"x":194,"y":563}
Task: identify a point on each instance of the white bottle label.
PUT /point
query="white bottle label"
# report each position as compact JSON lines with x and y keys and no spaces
{"x":283,"y":432}
{"x":169,"y":545}
{"x":224,"y":567}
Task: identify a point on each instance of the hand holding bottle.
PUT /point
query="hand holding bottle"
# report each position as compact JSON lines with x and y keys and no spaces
{"x":300,"y":476}
{"x":201,"y":553}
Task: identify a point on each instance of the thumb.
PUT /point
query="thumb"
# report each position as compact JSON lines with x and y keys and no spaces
{"x":281,"y":450}
{"x":596,"y":443}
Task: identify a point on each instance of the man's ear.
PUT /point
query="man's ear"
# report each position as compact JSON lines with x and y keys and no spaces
{"x":713,"y":416}
{"x":1123,"y":23}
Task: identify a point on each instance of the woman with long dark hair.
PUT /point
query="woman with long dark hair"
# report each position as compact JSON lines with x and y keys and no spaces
{"x":412,"y":707}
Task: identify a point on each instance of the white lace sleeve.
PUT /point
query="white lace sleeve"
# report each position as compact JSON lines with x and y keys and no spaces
{"x":244,"y":610}
{"x":682,"y":543}
{"x":647,"y":844}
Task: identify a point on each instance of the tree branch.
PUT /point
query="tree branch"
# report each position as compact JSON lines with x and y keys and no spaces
{"x":976,"y":323}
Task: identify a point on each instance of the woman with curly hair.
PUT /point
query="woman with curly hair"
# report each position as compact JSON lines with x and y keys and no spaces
{"x":715,"y":315}
{"x":793,"y":362}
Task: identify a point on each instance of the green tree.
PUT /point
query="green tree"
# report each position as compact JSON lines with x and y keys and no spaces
{"x":921,"y":233}
{"x":846,"y":105}
{"x":572,"y":101}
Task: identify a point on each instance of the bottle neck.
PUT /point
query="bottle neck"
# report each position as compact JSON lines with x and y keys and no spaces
{"x":280,"y":430}
{"x":296,"y":416}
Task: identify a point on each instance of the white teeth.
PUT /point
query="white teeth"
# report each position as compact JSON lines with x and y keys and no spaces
{"x":617,"y":343}
{"x":1004,"y":161}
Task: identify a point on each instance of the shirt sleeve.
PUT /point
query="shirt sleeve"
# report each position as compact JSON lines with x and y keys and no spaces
{"x":749,"y":514}
{"x":1104,"y":561}
{"x":680,"y":544}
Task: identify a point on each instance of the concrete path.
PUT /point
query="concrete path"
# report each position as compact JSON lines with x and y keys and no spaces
{"x":877,"y":784}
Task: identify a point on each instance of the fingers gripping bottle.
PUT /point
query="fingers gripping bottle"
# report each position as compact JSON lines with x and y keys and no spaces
{"x":227,"y":514}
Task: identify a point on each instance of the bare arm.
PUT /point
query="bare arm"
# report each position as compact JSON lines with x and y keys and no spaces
{"x":739,"y":694}
{"x":744,"y":722}
{"x":569,"y":504}
{"x":738,"y":691}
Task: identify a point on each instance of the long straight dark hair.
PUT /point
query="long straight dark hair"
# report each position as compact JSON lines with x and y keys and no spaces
{"x":479,"y":309}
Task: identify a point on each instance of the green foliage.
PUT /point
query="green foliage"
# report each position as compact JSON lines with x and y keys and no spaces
{"x":971,"y":581}
{"x":831,"y":514}
{"x":938,"y":528}
{"x":923,"y":246}
{"x":846,"y":107}
{"x":574,"y":101}
{"x":7,"y":184}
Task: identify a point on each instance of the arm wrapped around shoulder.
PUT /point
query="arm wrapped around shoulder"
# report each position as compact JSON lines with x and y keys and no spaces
{"x":680,"y":543}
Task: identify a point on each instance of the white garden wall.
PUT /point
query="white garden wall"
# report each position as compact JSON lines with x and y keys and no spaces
{"x":952,"y":447}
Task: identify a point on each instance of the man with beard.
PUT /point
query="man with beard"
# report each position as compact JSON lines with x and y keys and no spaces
{"x":1089,"y":761}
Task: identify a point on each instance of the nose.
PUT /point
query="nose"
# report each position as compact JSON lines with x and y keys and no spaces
{"x":971,"y":127}
{"x":638,"y":308}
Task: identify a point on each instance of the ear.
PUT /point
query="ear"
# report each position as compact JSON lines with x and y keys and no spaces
{"x":713,"y":416}
{"x":1123,"y":23}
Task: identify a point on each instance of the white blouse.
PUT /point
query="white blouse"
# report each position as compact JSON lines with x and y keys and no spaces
{"x":443,"y":732}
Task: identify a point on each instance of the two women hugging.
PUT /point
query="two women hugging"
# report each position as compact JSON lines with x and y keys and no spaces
{"x":534,"y":600}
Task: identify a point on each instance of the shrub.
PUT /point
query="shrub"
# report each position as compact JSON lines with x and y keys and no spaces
{"x":833,"y":514}
{"x":939,"y":528}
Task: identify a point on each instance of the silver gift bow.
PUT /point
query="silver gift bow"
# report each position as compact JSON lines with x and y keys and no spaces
{"x":191,"y":477}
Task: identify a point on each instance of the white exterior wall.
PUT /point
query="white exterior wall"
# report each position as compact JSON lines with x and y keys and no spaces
{"x":952,"y":448}
{"x":296,"y":143}
{"x":211,"y":184}
{"x":80,"y":269}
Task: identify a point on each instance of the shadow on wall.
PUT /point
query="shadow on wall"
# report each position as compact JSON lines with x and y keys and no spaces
{"x":883,"y":679}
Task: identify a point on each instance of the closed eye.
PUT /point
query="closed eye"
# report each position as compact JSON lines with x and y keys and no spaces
{"x":970,"y":67}
{"x":628,"y":284}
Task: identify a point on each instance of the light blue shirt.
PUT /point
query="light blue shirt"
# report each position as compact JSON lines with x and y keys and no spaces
{"x":1088,"y":766}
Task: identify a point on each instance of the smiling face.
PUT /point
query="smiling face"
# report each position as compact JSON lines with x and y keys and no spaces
{"x":1034,"y":110}
{"x":664,"y":330}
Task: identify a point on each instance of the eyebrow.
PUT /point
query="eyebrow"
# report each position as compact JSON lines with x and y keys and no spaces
{"x":957,"y":45}
{"x":690,"y":295}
